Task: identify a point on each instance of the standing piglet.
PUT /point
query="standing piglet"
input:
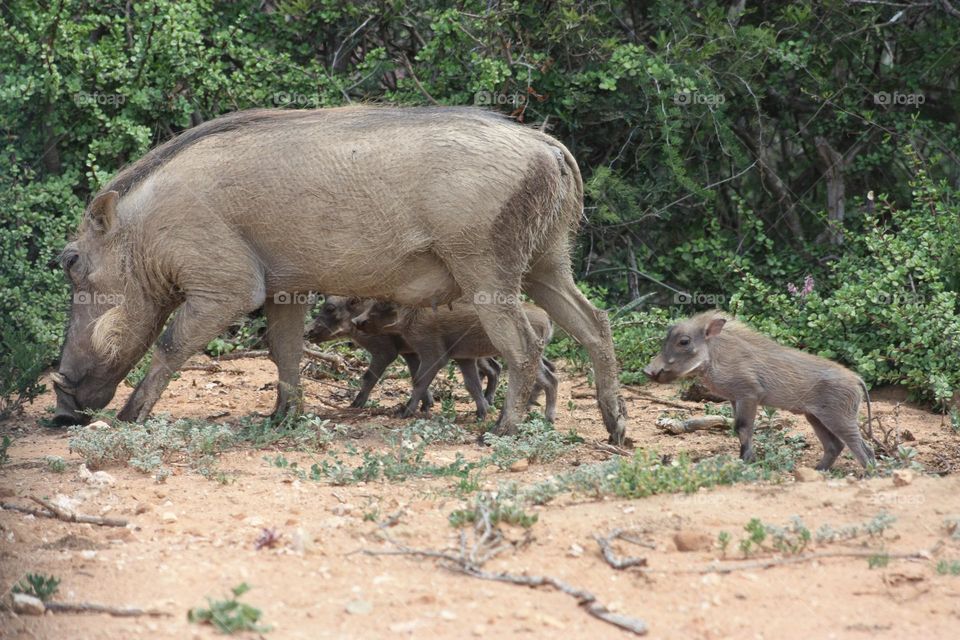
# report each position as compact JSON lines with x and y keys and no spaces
{"x":334,"y":320}
{"x":453,"y":332}
{"x":750,"y":370}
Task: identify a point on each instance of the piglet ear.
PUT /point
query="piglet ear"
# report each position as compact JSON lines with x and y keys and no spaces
{"x":102,"y":212}
{"x":715,"y":327}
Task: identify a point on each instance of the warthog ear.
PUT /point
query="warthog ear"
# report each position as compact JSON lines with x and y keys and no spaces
{"x":715,"y":326}
{"x":103,"y":211}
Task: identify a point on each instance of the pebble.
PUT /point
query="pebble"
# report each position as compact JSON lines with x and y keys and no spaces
{"x":806,"y":474}
{"x":169,"y":516}
{"x":575,"y":550}
{"x":301,"y":542}
{"x":902,"y":477}
{"x":96,"y":478}
{"x":341,"y":509}
{"x":359,"y":607}
{"x":692,"y":541}
{"x":28,"y":605}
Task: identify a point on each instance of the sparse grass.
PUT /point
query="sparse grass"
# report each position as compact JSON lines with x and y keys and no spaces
{"x":873,"y":528}
{"x":150,"y":446}
{"x":503,"y":506}
{"x":4,"y":447}
{"x":38,"y":585}
{"x":948,"y":567}
{"x":723,"y":541}
{"x":56,"y":464}
{"x":536,"y":440}
{"x":878,"y":561}
{"x":229,"y":616}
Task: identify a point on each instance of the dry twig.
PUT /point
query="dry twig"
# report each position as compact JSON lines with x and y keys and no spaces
{"x":88,"y":607}
{"x":615,"y":561}
{"x":674,"y":426}
{"x":69,"y":516}
{"x":747,"y":565}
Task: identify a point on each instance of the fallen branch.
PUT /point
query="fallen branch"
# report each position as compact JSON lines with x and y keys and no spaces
{"x":488,"y":542}
{"x":675,"y":427}
{"x":87,"y":607}
{"x":330,"y":358}
{"x":777,"y":562}
{"x":615,"y":561}
{"x":653,"y":398}
{"x":69,"y":516}
{"x":606,"y":447}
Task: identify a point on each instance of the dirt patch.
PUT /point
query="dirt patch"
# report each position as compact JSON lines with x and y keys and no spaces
{"x":192,"y":537}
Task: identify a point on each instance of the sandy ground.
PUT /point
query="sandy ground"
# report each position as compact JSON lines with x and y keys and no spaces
{"x":332,"y":590}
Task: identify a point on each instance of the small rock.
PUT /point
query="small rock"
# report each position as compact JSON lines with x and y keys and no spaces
{"x":446,"y":614}
{"x":96,"y":478}
{"x":254,"y":521}
{"x":341,"y":509}
{"x":301,"y":542}
{"x":99,"y":424}
{"x":550,"y":621}
{"x":806,"y":474}
{"x":28,"y":605}
{"x":479,"y":630}
{"x":168,"y":516}
{"x":141,"y":508}
{"x":692,"y":541}
{"x":575,"y":550}
{"x":902,"y":477}
{"x":520,"y":465}
{"x":88,"y":554}
{"x":405,"y":627}
{"x":7,"y":492}
{"x":359,"y":607}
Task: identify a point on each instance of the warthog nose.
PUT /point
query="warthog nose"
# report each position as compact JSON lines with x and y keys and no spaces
{"x":650,"y":372}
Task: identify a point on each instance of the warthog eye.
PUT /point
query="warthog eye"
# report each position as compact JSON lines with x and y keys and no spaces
{"x":70,"y":260}
{"x":684,"y":341}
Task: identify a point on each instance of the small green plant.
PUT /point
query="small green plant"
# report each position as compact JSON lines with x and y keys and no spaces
{"x":955,"y":420}
{"x":878,"y":561}
{"x":499,"y":506}
{"x":4,"y":447}
{"x":792,"y":539}
{"x":948,"y":567}
{"x":723,"y":541}
{"x":874,"y":528}
{"x":229,"y":616}
{"x":38,"y":585}
{"x":756,"y":534}
{"x":56,"y":464}
{"x":536,"y":440}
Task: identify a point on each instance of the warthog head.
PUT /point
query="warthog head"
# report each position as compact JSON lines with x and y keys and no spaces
{"x":334,"y":318}
{"x":376,"y":317}
{"x":112,"y":322}
{"x":685,"y":348}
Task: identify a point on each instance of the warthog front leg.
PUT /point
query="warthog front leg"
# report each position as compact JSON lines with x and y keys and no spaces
{"x":490,"y":368}
{"x":413,"y":364}
{"x":551,"y":286}
{"x":430,"y":365}
{"x":744,"y":415}
{"x":197,"y":322}
{"x":284,"y":338}
{"x":471,"y":380}
{"x":379,"y":361}
{"x":510,"y":332}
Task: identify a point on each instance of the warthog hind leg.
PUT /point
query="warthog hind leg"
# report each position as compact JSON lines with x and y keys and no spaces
{"x":284,"y":338}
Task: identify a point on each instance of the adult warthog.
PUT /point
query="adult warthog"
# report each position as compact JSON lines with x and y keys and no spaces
{"x":420,"y":206}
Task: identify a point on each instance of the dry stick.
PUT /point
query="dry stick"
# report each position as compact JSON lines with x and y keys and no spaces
{"x":69,"y":516}
{"x":584,"y":598}
{"x":329,"y":358}
{"x":776,"y":562}
{"x":653,"y":398}
{"x":87,"y":607}
{"x":615,"y":561}
{"x":676,"y":427}
{"x":606,"y":447}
